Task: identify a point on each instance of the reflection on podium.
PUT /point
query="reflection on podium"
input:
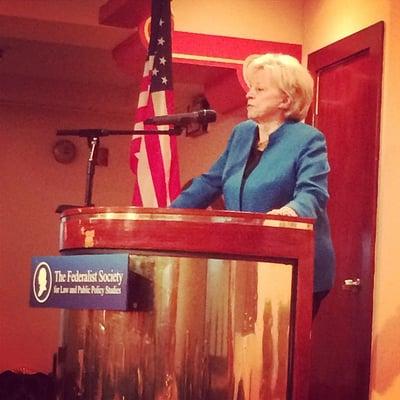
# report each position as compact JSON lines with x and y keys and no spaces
{"x":230,"y":314}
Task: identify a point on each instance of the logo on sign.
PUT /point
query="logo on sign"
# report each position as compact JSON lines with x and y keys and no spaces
{"x":42,"y":282}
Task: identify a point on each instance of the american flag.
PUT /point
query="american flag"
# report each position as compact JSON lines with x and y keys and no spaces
{"x":154,"y":157}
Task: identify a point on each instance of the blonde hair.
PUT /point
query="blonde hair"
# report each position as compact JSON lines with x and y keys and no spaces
{"x":290,"y":76}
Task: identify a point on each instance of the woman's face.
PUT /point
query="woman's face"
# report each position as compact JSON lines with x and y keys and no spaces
{"x":265,"y":101}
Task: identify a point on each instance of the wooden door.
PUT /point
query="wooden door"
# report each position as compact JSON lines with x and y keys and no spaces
{"x":347,"y":109}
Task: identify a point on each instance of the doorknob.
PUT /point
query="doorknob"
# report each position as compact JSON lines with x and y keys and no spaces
{"x":350,"y":284}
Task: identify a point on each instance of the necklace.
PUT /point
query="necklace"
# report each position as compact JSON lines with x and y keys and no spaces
{"x":266,"y":131}
{"x":262,"y":145}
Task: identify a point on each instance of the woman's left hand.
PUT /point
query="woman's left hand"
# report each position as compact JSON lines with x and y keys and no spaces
{"x":287,"y":211}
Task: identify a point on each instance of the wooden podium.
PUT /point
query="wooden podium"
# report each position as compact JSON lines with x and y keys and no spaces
{"x":226,"y":311}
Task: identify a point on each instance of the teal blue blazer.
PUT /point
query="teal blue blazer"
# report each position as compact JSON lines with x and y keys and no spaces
{"x":293,"y":171}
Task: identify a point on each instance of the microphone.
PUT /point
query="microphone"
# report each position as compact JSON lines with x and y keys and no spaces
{"x":202,"y":117}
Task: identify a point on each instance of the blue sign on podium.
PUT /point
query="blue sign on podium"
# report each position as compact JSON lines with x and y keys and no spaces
{"x":100,"y":281}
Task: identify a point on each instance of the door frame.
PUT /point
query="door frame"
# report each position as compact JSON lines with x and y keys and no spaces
{"x":369,"y":39}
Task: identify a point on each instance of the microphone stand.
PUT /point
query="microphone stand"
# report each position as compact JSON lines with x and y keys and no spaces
{"x":93,"y":138}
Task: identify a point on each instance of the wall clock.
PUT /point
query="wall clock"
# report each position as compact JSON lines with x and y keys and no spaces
{"x":64,"y":151}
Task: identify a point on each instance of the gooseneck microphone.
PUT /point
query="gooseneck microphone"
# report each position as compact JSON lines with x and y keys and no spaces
{"x":184,"y":119}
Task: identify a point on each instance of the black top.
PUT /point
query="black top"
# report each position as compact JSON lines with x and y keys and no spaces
{"x":254,"y":157}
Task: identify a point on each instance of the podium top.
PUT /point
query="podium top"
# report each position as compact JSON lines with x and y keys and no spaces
{"x":184,"y":230}
{"x":188,"y":215}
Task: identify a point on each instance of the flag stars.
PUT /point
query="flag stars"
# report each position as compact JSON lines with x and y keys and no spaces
{"x":164,"y":80}
{"x":155,"y":72}
{"x":161,"y":41}
{"x":161,"y":22}
{"x":163,"y":60}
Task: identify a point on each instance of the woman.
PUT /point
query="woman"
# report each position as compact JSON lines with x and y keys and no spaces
{"x":273,"y":162}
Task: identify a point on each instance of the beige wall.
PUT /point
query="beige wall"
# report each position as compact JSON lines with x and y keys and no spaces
{"x":327,"y":21}
{"x":32,"y":185}
{"x":385,"y":379}
{"x":275,"y":20}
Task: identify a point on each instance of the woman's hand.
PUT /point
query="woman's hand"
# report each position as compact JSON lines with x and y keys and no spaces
{"x":283,"y":211}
